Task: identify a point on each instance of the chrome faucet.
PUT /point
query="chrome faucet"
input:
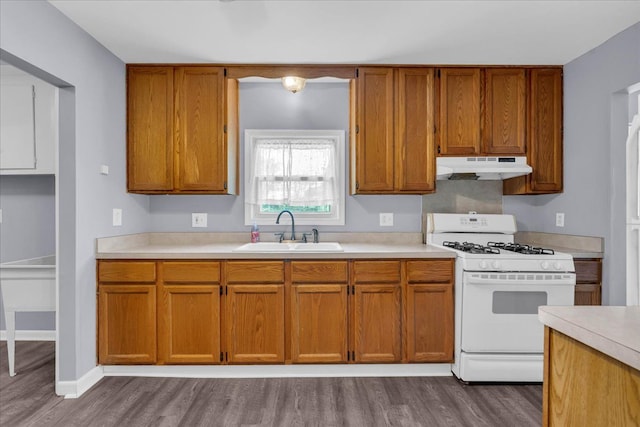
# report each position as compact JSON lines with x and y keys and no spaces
{"x":293,"y":224}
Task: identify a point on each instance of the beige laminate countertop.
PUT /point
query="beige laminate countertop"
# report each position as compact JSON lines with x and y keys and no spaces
{"x":578,"y":246}
{"x":612,"y":330}
{"x":218,"y":246}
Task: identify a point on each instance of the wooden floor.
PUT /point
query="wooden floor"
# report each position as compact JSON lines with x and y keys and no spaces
{"x":28,"y":399}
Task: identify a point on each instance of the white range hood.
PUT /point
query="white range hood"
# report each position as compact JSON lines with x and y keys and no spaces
{"x":481,"y":168}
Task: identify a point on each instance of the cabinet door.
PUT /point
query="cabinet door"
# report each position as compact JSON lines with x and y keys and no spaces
{"x":545,"y":130}
{"x":414,"y":139}
{"x":319,"y":323}
{"x":126,"y":323}
{"x":189,"y":313}
{"x":150,"y":129}
{"x":199,"y":129}
{"x":17,"y":127}
{"x":255,"y":323}
{"x":374,"y":123}
{"x":376,"y":323}
{"x":505,"y":114}
{"x":544,"y":140}
{"x":430,"y":322}
{"x":459,"y":117}
{"x":429,"y":310}
{"x":588,"y":282}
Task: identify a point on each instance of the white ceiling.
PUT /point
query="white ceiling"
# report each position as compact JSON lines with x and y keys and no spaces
{"x":351,"y":31}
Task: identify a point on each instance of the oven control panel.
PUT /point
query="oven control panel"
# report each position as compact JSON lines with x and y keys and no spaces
{"x":521,"y":263}
{"x":471,"y":223}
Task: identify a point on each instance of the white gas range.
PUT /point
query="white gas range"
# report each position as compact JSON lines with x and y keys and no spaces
{"x":499,"y":286}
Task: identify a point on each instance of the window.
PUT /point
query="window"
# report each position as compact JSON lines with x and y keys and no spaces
{"x":298,"y":170}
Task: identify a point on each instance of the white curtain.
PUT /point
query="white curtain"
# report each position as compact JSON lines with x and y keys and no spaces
{"x":293,"y":172}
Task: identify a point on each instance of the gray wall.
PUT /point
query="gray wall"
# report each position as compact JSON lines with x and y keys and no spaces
{"x":27,"y":231}
{"x":270,"y":106}
{"x":595,"y":129}
{"x":37,"y":38}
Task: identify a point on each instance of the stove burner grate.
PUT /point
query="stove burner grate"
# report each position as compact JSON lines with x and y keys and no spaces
{"x":521,"y":249}
{"x":473,"y":248}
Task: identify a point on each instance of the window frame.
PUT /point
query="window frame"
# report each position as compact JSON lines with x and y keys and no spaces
{"x":337,"y":216}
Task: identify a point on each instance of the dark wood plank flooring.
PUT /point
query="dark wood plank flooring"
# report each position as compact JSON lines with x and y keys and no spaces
{"x":29,"y":399}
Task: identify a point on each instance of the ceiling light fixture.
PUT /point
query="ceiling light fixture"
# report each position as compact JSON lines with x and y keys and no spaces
{"x":293,"y":83}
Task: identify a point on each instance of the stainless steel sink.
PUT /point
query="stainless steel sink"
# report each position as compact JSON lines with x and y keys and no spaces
{"x":290,"y":247}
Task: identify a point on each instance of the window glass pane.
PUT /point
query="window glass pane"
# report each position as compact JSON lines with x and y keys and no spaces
{"x":296,"y":171}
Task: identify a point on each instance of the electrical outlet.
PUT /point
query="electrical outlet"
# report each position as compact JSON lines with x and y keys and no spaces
{"x":198,"y":220}
{"x":0,"y":216}
{"x":386,"y":220}
{"x":559,"y":219}
{"x":117,"y":217}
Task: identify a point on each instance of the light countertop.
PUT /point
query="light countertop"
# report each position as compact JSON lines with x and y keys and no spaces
{"x":614,"y":331}
{"x":222,"y":246}
{"x":578,"y":246}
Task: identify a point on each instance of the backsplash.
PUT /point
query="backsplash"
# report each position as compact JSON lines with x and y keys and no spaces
{"x":483,"y":197}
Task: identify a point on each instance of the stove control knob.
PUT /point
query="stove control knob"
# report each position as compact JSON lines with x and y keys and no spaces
{"x":557,"y":265}
{"x":495,"y":264}
{"x":544,"y":265}
{"x":483,"y":265}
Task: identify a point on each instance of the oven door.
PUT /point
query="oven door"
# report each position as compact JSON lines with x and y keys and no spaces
{"x":500,"y":310}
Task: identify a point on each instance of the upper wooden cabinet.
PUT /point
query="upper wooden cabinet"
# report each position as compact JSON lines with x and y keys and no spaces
{"x":459,"y":111}
{"x":394,"y":133}
{"x":504,"y":128}
{"x":544,"y":124}
{"x":482,"y":111}
{"x":181,"y":130}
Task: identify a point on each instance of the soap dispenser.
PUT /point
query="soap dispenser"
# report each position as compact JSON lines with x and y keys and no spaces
{"x":255,"y":233}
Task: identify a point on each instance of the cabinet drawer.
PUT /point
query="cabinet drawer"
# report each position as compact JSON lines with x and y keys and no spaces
{"x":255,"y":272}
{"x":376,"y":271}
{"x":191,"y":272}
{"x":440,"y":271}
{"x":319,"y":272}
{"x":588,"y":271}
{"x":123,"y":271}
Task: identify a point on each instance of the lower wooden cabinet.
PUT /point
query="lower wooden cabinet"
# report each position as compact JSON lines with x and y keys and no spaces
{"x":254,"y":321}
{"x":319,"y":311}
{"x":189,"y":313}
{"x":319,"y":323}
{"x":272,"y":311}
{"x":429,"y":311}
{"x":376,"y":312}
{"x":588,"y":281}
{"x":127,"y":313}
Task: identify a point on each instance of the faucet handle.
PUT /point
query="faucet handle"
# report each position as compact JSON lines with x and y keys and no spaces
{"x":280,"y":237}
{"x":304,"y":236}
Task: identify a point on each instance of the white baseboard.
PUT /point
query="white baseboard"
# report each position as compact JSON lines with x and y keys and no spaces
{"x":75,"y":389}
{"x":279,"y":371}
{"x":26,"y":335}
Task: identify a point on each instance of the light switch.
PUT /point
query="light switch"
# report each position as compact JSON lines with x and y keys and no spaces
{"x":104,"y":169}
{"x":117,"y":217}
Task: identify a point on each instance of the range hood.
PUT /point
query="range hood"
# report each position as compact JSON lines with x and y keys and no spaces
{"x":481,"y":168}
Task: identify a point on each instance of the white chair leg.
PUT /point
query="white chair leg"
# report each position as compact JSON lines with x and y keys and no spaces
{"x":10,"y":318}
